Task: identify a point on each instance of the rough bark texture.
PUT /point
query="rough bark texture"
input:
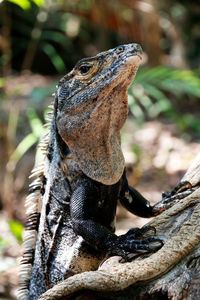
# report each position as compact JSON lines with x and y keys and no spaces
{"x":171,"y":273}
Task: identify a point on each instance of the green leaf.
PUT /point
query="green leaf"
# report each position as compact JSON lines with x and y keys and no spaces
{"x":35,"y":123}
{"x":2,"y":82}
{"x":54,"y":36}
{"x":163,"y":102}
{"x":24,"y":4}
{"x":189,"y":121}
{"x":153,"y":87}
{"x":16,"y":228}
{"x":55,"y":58}
{"x":37,"y":131}
{"x":135,"y":109}
{"x":38,"y":2}
{"x":22,"y":147}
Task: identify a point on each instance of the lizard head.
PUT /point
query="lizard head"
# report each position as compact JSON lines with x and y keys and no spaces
{"x":91,"y":107}
{"x":103,"y":72}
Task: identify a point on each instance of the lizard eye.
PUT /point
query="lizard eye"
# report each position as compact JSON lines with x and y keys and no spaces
{"x":120,"y":49}
{"x":84,"y":69}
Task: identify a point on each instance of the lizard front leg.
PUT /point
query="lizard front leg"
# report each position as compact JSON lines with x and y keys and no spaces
{"x":140,"y":206}
{"x":87,"y":222}
{"x":132,"y":200}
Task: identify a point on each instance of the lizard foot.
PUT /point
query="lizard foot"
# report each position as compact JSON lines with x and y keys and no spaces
{"x":133,"y":244}
{"x":182,"y":190}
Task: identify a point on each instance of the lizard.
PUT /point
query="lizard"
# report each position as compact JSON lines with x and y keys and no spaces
{"x":72,"y":202}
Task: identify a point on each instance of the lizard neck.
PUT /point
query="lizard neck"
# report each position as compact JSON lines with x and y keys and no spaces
{"x":95,"y":142}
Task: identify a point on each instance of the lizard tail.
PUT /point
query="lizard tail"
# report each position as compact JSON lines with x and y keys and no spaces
{"x":32,"y":205}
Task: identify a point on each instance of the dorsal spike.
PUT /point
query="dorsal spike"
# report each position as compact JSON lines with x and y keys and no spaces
{"x":33,"y":214}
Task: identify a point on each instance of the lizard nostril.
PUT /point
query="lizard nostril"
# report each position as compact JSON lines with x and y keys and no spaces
{"x":138,"y":48}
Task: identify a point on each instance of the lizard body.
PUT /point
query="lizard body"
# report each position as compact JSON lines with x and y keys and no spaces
{"x":84,"y":176}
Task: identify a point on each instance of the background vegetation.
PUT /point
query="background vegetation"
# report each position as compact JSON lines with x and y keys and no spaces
{"x":40,"y":40}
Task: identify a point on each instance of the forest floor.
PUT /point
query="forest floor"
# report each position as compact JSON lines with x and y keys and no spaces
{"x":156,"y":159}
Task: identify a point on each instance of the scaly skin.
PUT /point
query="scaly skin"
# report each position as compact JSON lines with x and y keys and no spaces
{"x":84,"y":176}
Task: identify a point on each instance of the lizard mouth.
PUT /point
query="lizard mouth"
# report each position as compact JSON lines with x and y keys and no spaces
{"x":132,"y":60}
{"x":134,"y":53}
{"x":134,"y":56}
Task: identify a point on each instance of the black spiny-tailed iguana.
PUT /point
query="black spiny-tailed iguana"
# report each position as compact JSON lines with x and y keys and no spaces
{"x":72,"y":202}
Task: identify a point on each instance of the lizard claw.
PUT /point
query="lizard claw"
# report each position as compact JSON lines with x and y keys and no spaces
{"x":137,"y":232}
{"x":182,"y":190}
{"x":132,"y":244}
{"x":152,"y":247}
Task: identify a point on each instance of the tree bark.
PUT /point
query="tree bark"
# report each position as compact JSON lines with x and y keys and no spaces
{"x":173,"y":272}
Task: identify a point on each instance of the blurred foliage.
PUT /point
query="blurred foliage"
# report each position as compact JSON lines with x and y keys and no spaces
{"x":3,"y":243}
{"x":50,"y":36}
{"x":26,"y":4}
{"x":160,"y":90}
{"x":16,"y":229}
{"x":28,"y":141}
{"x":179,"y":22}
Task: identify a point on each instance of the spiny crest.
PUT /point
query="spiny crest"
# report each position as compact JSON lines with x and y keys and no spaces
{"x":33,"y":214}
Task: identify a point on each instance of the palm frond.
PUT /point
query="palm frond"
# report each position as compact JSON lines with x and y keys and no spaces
{"x":155,"y":90}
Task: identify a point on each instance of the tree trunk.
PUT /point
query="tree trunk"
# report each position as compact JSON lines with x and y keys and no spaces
{"x":173,"y":272}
